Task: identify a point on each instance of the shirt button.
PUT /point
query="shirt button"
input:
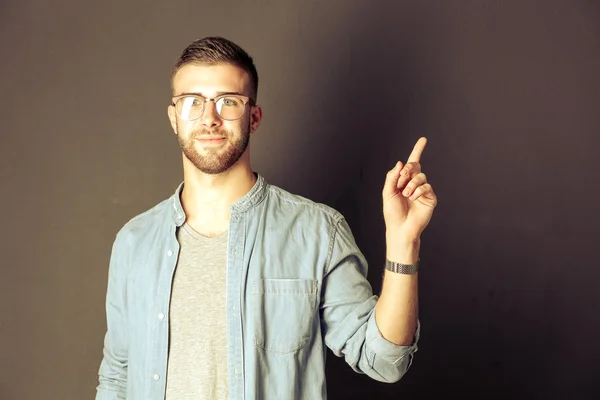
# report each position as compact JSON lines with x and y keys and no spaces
{"x":235,"y":371}
{"x":161,"y":316}
{"x":170,"y":253}
{"x":155,"y":377}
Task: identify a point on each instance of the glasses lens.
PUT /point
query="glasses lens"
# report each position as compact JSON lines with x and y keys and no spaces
{"x":230,"y":107}
{"x":190,"y":107}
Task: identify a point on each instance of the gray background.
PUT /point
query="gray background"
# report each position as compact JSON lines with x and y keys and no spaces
{"x":506,"y":91}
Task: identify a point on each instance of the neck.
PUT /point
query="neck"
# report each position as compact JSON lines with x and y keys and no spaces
{"x":207,"y":198}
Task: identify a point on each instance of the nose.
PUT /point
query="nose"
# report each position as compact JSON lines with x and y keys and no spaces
{"x":210,"y":117}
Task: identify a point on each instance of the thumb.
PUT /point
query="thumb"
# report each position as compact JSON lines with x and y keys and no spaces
{"x":390,"y":187}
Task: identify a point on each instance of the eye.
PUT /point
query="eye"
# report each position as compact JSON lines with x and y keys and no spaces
{"x":196,"y":102}
{"x":230,"y":101}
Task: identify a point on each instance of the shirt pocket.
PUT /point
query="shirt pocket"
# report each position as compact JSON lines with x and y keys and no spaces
{"x":284,"y":311}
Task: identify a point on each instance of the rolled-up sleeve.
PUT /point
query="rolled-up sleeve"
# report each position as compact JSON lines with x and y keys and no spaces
{"x":348,"y":313}
{"x":381,"y":352}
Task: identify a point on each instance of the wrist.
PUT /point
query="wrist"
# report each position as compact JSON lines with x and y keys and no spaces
{"x":402,"y":250}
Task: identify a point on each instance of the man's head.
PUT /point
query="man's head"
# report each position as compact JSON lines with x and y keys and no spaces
{"x":213,"y":110}
{"x":215,"y":51}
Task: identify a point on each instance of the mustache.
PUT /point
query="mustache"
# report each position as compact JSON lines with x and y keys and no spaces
{"x":208,"y":132}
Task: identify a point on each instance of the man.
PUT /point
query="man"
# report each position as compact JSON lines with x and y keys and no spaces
{"x":232,"y":287}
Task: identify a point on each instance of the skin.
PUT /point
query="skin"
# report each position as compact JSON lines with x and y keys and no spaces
{"x":218,"y":174}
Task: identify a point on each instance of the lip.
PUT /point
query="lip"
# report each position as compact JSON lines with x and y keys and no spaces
{"x":210,"y":139}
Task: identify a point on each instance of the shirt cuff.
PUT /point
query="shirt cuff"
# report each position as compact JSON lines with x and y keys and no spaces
{"x":382,"y":348}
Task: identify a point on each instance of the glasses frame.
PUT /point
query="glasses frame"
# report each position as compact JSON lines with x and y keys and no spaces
{"x":245,"y":99}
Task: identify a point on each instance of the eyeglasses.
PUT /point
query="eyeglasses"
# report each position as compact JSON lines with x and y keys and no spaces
{"x":230,"y":107}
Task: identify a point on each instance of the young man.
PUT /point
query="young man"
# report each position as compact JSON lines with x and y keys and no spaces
{"x":232,"y":288}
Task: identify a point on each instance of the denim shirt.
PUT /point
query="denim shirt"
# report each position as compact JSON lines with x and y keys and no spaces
{"x":296,"y":282}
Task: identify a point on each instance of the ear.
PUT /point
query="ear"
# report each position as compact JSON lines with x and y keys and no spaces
{"x":255,"y":118}
{"x":172,"y":118}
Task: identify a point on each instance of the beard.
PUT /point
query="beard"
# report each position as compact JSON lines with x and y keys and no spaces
{"x":215,"y":160}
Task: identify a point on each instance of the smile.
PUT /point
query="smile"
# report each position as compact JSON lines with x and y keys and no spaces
{"x":210,"y":139}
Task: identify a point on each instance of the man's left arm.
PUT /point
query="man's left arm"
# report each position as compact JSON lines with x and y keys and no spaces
{"x":408,"y":204}
{"x":378,"y":336}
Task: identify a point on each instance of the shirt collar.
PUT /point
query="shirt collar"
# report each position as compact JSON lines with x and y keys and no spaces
{"x":250,"y":199}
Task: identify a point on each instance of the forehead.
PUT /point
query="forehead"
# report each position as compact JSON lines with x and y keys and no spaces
{"x":211,"y":79}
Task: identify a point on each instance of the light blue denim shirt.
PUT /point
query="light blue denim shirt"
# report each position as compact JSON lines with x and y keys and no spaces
{"x":296,"y":282}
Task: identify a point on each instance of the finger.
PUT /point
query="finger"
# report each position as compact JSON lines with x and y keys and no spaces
{"x":425,"y":195}
{"x":409,"y":171}
{"x":418,"y":180}
{"x":390,"y":186}
{"x":415,"y":156}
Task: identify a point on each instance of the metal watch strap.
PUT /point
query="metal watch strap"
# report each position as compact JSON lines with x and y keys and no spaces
{"x":407,"y":269}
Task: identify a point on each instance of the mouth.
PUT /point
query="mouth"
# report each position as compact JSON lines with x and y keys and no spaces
{"x":210,"y":139}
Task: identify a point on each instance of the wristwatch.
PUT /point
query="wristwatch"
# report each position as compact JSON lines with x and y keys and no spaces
{"x":407,"y":269}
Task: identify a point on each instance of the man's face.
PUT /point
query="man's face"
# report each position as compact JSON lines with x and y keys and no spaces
{"x":211,"y":143}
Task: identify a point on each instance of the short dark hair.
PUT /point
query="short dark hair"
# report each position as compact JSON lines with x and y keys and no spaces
{"x":217,"y":50}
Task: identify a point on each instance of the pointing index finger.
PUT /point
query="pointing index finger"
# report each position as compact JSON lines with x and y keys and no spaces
{"x":415,"y":156}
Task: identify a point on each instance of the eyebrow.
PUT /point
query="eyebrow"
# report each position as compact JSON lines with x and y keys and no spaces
{"x":200,"y":94}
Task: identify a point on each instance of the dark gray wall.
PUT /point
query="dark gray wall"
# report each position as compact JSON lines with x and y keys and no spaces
{"x":506,"y":91}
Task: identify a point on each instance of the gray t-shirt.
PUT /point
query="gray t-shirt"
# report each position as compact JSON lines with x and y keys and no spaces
{"x":197,"y":363}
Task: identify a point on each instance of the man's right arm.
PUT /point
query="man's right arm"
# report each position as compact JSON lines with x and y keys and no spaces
{"x":113,"y":369}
